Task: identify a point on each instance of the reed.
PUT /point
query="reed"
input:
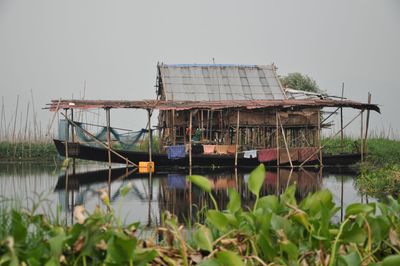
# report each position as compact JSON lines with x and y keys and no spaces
{"x":26,"y":151}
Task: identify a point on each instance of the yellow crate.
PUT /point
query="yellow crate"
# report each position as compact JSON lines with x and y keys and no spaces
{"x":145,"y":167}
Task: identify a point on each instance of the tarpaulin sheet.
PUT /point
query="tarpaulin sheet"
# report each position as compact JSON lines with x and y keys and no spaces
{"x":267,"y":155}
{"x":176,"y":152}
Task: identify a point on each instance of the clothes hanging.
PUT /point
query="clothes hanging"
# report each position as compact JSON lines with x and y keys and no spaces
{"x":250,"y":154}
{"x":209,"y":149}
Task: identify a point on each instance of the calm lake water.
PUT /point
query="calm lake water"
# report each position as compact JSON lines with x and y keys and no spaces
{"x":146,"y":201}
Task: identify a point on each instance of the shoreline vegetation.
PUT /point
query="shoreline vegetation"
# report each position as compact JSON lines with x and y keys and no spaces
{"x":274,"y":230}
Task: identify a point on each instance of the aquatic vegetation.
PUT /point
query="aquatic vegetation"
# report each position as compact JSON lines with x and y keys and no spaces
{"x":276,"y":230}
{"x":27,"y":150}
{"x":380,"y":181}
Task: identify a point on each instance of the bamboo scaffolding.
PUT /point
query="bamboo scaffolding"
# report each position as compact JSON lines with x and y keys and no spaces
{"x":284,"y":139}
{"x":367,"y":127}
{"x":237,"y":137}
{"x":99,"y":141}
{"x":314,"y":153}
{"x":277,"y":138}
{"x":190,"y":139}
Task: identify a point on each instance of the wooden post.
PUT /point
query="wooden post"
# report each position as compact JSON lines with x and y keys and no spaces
{"x":286,"y":145}
{"x":341,"y":122}
{"x":319,"y":138}
{"x":361,"y":137}
{"x":108,"y":136}
{"x":173,"y":128}
{"x":190,"y":139}
{"x":367,"y":127}
{"x":149,"y":128}
{"x":73,"y":138}
{"x":237,"y":137}
{"x":202,"y":125}
{"x":277,"y":138}
{"x":66,"y":134}
{"x":150,"y":155}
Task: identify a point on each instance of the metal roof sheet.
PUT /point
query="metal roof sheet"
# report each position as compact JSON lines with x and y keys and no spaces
{"x":220,"y":82}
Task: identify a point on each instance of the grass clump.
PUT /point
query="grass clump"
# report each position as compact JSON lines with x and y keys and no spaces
{"x":26,"y":151}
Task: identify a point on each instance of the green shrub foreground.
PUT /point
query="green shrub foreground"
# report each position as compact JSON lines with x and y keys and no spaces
{"x":274,"y":231}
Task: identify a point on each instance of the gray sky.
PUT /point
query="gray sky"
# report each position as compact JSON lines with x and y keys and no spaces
{"x":52,"y":47}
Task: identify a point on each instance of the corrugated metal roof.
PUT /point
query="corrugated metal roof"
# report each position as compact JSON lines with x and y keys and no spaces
{"x":220,"y":82}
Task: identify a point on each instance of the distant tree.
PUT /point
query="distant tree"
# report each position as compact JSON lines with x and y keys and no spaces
{"x":298,"y":81}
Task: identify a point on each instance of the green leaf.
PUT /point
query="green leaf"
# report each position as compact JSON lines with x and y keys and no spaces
{"x":290,"y":249}
{"x":201,"y":182}
{"x":210,"y":262}
{"x":354,"y":235}
{"x":229,"y":258}
{"x":256,"y":179}
{"x":120,"y":249}
{"x":143,"y":257}
{"x":289,"y":195}
{"x":56,"y":243}
{"x":269,"y":204}
{"x":357,"y":208}
{"x":234,"y":201}
{"x":217,"y":219}
{"x":391,"y":261}
{"x":204,"y":238}
{"x":19,"y":229}
{"x":350,"y":259}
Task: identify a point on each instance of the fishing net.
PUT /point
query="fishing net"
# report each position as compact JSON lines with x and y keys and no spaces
{"x":127,"y":140}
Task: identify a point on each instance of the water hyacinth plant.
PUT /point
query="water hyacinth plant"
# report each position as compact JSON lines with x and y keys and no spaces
{"x":276,"y":230}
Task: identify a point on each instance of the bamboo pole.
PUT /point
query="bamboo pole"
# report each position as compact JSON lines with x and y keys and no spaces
{"x":100,"y":142}
{"x":361,"y":136}
{"x":341,"y":122}
{"x":66,"y":134}
{"x":202,"y":124}
{"x":173,"y":128}
{"x":190,"y":139}
{"x":237,"y":137}
{"x":1,"y":119}
{"x":367,"y":127}
{"x":314,"y":153}
{"x":149,"y":128}
{"x":108,"y":136}
{"x":286,"y":145}
{"x":26,"y":121}
{"x":319,"y":138}
{"x":15,"y":119}
{"x":277,"y":138}
{"x":34,"y":117}
{"x":150,"y":183}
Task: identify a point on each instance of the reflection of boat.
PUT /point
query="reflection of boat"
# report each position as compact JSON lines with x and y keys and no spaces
{"x":77,"y":150}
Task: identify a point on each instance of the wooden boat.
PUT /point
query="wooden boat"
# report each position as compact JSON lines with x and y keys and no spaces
{"x":80,"y":151}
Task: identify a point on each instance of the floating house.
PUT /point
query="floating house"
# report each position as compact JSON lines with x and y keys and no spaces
{"x":221,"y":115}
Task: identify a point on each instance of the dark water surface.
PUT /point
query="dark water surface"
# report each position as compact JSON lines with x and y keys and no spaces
{"x":25,"y":183}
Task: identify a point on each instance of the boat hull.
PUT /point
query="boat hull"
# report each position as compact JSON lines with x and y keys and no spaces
{"x":80,"y":151}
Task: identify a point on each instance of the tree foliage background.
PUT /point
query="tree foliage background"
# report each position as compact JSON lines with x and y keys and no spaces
{"x":298,"y":81}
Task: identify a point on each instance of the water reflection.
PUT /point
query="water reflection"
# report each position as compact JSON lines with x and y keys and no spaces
{"x":170,"y":191}
{"x":147,"y":199}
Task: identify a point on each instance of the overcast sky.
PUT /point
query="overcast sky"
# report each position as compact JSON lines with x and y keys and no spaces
{"x":53,"y":47}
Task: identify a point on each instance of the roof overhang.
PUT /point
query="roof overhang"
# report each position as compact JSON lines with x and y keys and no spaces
{"x":291,"y":104}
